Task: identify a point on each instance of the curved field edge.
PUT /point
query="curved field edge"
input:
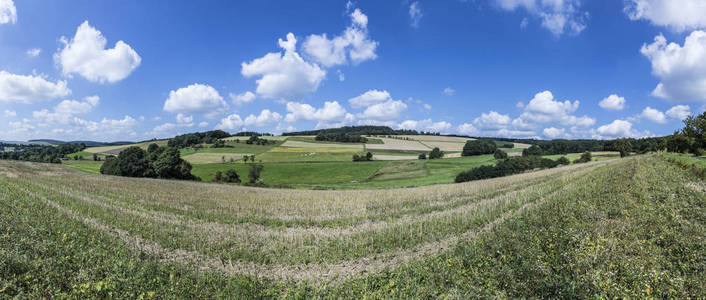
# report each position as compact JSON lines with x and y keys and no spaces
{"x":631,"y":230}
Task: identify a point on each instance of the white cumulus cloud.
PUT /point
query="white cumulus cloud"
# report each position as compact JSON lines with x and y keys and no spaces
{"x":284,"y":76}
{"x":29,"y":89}
{"x":681,"y":69}
{"x":330,"y":112}
{"x":425,"y":125}
{"x":553,"y":132}
{"x":86,"y":55}
{"x":612,"y":102}
{"x":230,"y":123}
{"x":10,"y":113}
{"x":557,"y":16}
{"x":353,"y":44}
{"x":679,"y":15}
{"x":653,"y":115}
{"x":265,"y":118}
{"x":196,"y":98}
{"x":544,"y":109}
{"x":384,"y":111}
{"x":369,"y":98}
{"x":8,"y":12}
{"x":492,"y":121}
{"x":239,"y":99}
{"x":679,"y":112}
{"x":618,"y":129}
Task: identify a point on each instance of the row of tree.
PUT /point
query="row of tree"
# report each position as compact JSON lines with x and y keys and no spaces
{"x":156,"y":162}
{"x":47,"y":154}
{"x":691,"y":138}
{"x":359,"y":130}
{"x":478,"y":147}
{"x":509,"y":166}
{"x":433,"y":154}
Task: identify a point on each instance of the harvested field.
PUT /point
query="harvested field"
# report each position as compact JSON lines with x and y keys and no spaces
{"x":299,"y":144}
{"x":251,"y":241}
{"x":397,"y":144}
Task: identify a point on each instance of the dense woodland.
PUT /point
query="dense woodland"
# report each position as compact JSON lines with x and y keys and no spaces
{"x":196,"y":138}
{"x":156,"y":162}
{"x":340,"y":138}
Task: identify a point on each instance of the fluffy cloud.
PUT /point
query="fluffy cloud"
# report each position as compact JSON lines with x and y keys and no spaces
{"x":284,"y":76}
{"x":385,"y":111}
{"x":10,"y":113}
{"x":467,"y":129}
{"x":544,"y":109}
{"x":415,"y":14}
{"x":653,"y":115}
{"x":612,"y":102}
{"x":230,"y":123}
{"x":353,"y":44}
{"x":243,"y":98}
{"x":65,"y":112}
{"x":678,"y":15}
{"x":34,"y":52}
{"x":617,"y":129}
{"x":425,"y":125}
{"x":682,"y":70}
{"x":558,"y":16}
{"x":369,"y":98}
{"x":265,"y":118}
{"x":679,"y":112}
{"x":183,"y":119}
{"x":330,"y":112}
{"x":449,"y":91}
{"x":86,"y":55}
{"x":8,"y":12}
{"x":196,"y":98}
{"x":553,"y":132}
{"x":29,"y":89}
{"x":492,"y":121}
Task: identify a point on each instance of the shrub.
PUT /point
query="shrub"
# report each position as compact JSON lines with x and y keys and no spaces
{"x":509,"y":166}
{"x":585,"y":157}
{"x":563,"y":160}
{"x":436,"y":153}
{"x":423,"y":156}
{"x":232,"y":177}
{"x":500,"y":154}
{"x":367,"y":157}
{"x":218,"y":176}
{"x":254,"y":172}
{"x":478,"y":147}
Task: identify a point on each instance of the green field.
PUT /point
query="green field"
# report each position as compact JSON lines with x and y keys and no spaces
{"x":80,"y":154}
{"x":87,"y":166}
{"x":622,"y":228}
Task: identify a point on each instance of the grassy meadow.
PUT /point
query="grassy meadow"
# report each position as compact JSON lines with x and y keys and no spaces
{"x":621,"y":228}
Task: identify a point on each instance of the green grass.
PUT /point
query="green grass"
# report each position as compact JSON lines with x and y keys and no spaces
{"x":297,"y":174}
{"x":87,"y":166}
{"x":235,"y":148}
{"x":79,"y":154}
{"x":596,"y":156}
{"x":304,"y":157}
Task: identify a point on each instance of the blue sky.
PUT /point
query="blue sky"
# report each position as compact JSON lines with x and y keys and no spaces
{"x":135,"y":70}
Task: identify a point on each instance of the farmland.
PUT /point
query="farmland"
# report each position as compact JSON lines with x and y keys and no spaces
{"x":619,"y":228}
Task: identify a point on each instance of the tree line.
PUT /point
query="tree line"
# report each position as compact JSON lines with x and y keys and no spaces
{"x":340,"y":137}
{"x":197,"y":138}
{"x":46,"y":154}
{"x":358,"y":130}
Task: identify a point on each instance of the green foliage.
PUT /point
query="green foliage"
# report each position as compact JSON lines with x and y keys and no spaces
{"x":367,"y":157}
{"x":678,"y":143}
{"x":436,"y":153}
{"x":37,"y":153}
{"x":478,"y":147}
{"x":231,"y":176}
{"x":256,"y":140}
{"x":356,"y":130}
{"x":254,"y":172}
{"x":585,"y":157}
{"x":192,"y":139}
{"x":624,"y":146}
{"x":160,"y":162}
{"x":563,"y":160}
{"x":695,"y":129}
{"x":499,"y":154}
{"x":533,"y":150}
{"x":509,"y":166}
{"x":423,"y":156}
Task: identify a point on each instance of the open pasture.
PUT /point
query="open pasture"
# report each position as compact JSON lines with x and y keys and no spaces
{"x":209,"y":158}
{"x":592,"y":223}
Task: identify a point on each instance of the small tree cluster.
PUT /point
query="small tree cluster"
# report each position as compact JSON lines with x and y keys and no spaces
{"x":436,"y":153}
{"x":533,"y":150}
{"x":230,"y":176}
{"x":255,"y":172}
{"x":341,"y":137}
{"x":478,"y":147}
{"x":423,"y":156}
{"x":367,"y":157}
{"x":160,"y":162}
{"x":585,"y":157}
